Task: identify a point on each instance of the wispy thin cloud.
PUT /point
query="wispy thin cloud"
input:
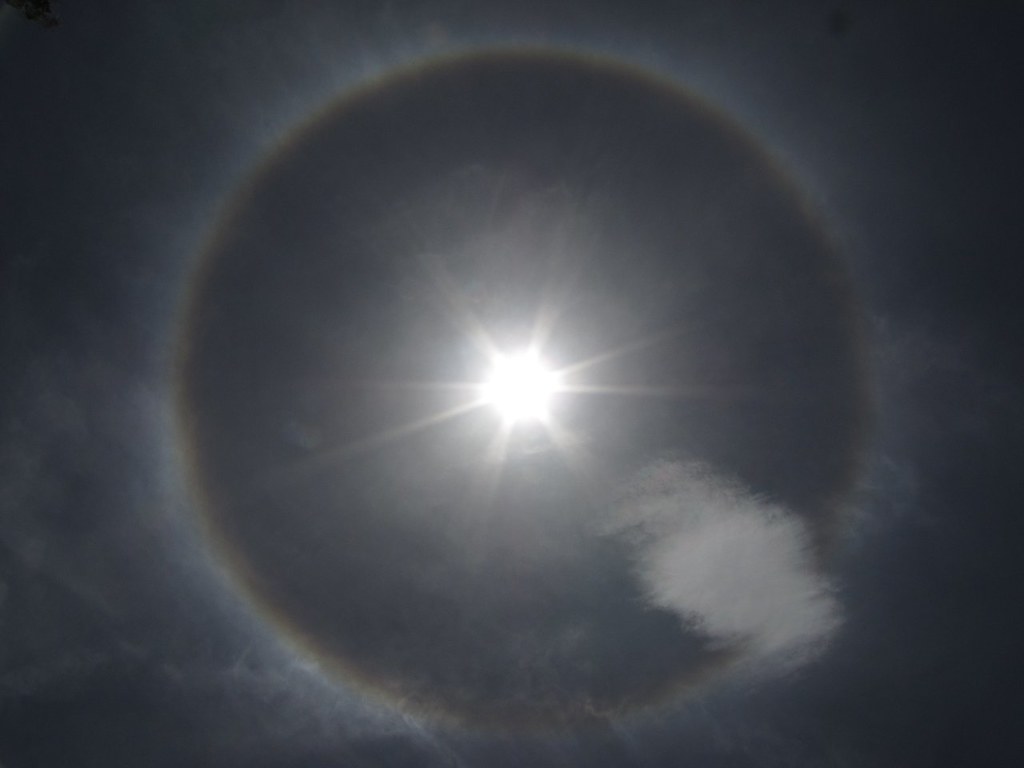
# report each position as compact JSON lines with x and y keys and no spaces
{"x":732,"y":566}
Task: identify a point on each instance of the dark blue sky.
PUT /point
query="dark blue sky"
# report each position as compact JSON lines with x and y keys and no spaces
{"x":126,"y":637}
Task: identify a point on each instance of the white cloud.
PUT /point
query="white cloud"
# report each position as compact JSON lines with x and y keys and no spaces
{"x":732,"y":566}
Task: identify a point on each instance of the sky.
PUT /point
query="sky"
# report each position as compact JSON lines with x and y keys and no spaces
{"x":257,"y":259}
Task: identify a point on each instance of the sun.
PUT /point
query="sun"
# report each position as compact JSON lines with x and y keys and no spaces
{"x":520,"y":387}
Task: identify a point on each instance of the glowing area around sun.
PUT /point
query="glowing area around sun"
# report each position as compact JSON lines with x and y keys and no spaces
{"x":520,"y":387}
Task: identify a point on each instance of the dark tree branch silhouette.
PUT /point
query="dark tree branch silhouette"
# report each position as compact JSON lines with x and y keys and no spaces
{"x":36,"y":10}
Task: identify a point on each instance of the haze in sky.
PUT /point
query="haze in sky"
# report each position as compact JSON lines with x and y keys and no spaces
{"x":412,"y":384}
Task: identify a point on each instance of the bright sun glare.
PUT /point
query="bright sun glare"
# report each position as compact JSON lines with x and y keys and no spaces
{"x":520,"y":387}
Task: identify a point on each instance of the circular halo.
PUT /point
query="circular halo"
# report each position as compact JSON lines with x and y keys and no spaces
{"x":346,"y":304}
